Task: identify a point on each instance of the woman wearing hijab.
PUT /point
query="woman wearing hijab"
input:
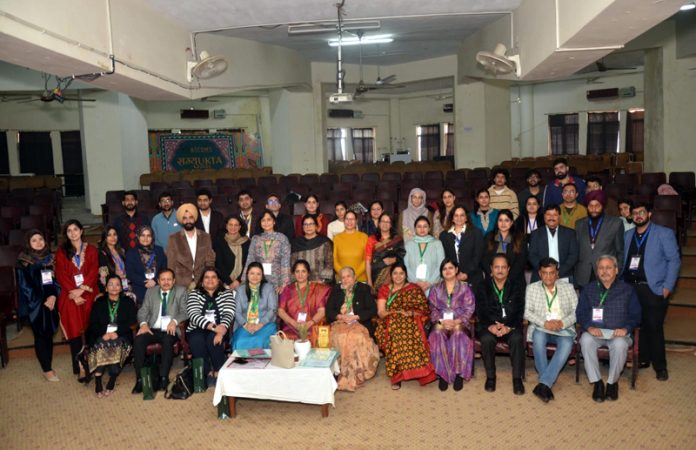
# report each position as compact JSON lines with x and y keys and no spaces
{"x":231,"y":251}
{"x":415,"y":209}
{"x":315,"y":249}
{"x":37,"y":295}
{"x":144,"y":262}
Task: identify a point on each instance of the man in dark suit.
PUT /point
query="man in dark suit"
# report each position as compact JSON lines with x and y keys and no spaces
{"x":164,"y":307}
{"x":209,"y":221}
{"x":651,"y":264}
{"x":597,"y":234}
{"x":553,"y":241}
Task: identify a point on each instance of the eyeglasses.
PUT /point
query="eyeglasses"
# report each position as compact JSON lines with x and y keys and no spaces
{"x":641,"y":213}
{"x":273,"y":202}
{"x":309,"y":224}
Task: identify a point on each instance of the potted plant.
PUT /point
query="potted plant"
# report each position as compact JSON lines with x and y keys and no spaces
{"x":302,"y":344}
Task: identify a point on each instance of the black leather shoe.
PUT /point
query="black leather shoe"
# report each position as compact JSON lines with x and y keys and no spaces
{"x":162,"y":384}
{"x":598,"y":392}
{"x":458,"y":383}
{"x":644,"y":365}
{"x":138,"y":388}
{"x":612,"y":391}
{"x":540,"y":391}
{"x":490,"y":384}
{"x":549,"y":393}
{"x":517,"y":386}
{"x":442,"y":385}
{"x":662,"y":375}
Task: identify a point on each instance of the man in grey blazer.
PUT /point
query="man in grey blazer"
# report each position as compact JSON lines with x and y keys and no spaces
{"x":163,"y":308}
{"x":598,"y":234}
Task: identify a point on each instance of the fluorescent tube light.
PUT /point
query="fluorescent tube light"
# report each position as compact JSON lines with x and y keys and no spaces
{"x":354,"y":40}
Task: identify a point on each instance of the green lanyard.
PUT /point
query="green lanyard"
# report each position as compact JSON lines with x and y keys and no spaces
{"x":254,"y":303}
{"x":449,"y":300}
{"x":349,"y":300}
{"x":113,"y":310}
{"x":392,"y":295}
{"x":267,"y":246}
{"x":549,"y":302}
{"x":602,"y":297}
{"x":499,"y":292}
{"x":303,"y":299}
{"x":422,"y":250}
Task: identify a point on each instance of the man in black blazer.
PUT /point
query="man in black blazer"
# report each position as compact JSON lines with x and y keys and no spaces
{"x":464,"y":243}
{"x":209,"y":221}
{"x":163,"y":309}
{"x":598,"y":234}
{"x":554,"y":241}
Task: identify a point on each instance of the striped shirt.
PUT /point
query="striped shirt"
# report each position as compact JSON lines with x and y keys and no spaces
{"x":198,"y":302}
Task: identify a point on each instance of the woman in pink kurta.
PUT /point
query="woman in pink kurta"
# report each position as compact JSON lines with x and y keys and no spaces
{"x":77,"y":271}
{"x":303,"y":303}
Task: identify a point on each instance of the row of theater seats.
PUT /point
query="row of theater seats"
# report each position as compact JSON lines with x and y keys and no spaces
{"x":24,"y":209}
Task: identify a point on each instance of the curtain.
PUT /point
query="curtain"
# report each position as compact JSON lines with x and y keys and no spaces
{"x":363,"y":144}
{"x":429,"y":142}
{"x":333,"y":144}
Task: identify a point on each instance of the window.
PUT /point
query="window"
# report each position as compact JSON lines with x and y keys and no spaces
{"x":363,"y":144}
{"x":428,"y":142}
{"x":336,"y":143}
{"x":602,"y":133}
{"x":449,"y":139}
{"x":563,"y":134}
{"x":634,"y":131}
{"x":35,"y":152}
{"x":4,"y":155}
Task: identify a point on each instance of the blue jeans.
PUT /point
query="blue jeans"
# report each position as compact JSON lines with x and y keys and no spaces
{"x":548,"y":371}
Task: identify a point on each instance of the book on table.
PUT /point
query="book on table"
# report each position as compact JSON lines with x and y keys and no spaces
{"x":319,"y":357}
{"x":254,"y":353}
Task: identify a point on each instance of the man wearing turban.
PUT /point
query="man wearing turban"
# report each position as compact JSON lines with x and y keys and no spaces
{"x":190,"y":250}
{"x":597,"y":234}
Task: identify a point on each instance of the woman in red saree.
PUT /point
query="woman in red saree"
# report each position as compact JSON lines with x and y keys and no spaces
{"x":77,"y":272}
{"x":403,"y":310}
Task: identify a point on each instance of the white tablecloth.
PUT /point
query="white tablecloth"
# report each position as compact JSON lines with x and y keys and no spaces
{"x":311,"y":385}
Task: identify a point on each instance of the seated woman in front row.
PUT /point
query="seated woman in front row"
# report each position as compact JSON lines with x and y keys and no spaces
{"x":109,"y":336}
{"x":403,"y":310}
{"x":451,"y":306}
{"x":211,"y":311}
{"x":257,"y":306}
{"x":303,"y":303}
{"x":350,"y":310}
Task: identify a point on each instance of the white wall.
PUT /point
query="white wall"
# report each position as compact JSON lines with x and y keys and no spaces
{"x":562,"y":97}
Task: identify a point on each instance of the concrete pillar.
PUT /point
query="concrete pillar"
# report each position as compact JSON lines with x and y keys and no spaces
{"x":654,"y":111}
{"x":293,"y":132}
{"x":482,"y":124}
{"x":265,"y":130}
{"x":526,"y":108}
{"x":394,"y":124}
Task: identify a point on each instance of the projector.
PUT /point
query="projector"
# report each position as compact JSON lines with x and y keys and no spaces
{"x":344,"y":97}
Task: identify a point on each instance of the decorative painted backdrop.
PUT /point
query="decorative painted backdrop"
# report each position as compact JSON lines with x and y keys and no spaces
{"x":193,"y":150}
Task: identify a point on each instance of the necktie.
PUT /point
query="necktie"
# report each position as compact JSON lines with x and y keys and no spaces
{"x":164,"y":303}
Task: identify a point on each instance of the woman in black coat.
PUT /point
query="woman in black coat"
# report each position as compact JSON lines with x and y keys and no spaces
{"x":505,"y":238}
{"x":37,"y":295}
{"x":464,"y":243}
{"x":109,"y":335}
{"x":363,"y":303}
{"x":231,"y":251}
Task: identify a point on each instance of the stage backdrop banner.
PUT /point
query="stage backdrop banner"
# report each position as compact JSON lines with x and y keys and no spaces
{"x":196,"y":151}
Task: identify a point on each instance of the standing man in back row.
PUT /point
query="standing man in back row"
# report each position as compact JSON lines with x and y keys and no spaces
{"x":502,"y":197}
{"x":553,"y":190}
{"x":651,"y":265}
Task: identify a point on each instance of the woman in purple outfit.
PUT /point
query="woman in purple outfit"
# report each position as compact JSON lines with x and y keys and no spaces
{"x":452,"y":304}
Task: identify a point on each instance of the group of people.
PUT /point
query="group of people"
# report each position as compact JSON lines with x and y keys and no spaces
{"x":411,"y":287}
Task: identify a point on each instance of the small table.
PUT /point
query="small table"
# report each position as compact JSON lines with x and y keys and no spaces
{"x":315,"y":386}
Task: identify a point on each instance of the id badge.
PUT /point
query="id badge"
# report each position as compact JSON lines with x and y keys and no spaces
{"x":111,"y":328}
{"x":210,"y":316}
{"x":421,"y":271}
{"x":150,"y":275}
{"x":448,"y":314}
{"x":635,"y":262}
{"x":79,"y":279}
{"x":551,"y":316}
{"x":46,"y":277}
{"x":164,"y":324}
{"x":301,"y":317}
{"x":267,"y":269}
{"x":504,"y":313}
{"x":598,"y":314}
{"x":124,"y":283}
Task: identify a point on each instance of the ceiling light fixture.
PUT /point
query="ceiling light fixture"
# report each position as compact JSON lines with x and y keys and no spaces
{"x":688,"y":6}
{"x":365,"y":40}
{"x":332,"y":26}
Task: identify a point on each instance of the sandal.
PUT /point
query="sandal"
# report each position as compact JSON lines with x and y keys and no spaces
{"x":396,"y":386}
{"x":108,"y":392}
{"x":101,"y":394}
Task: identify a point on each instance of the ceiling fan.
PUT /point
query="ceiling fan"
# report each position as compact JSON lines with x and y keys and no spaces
{"x":380,"y":83}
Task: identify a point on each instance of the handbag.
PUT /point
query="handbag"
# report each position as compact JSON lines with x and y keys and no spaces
{"x":182,"y":386}
{"x":282,"y":351}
